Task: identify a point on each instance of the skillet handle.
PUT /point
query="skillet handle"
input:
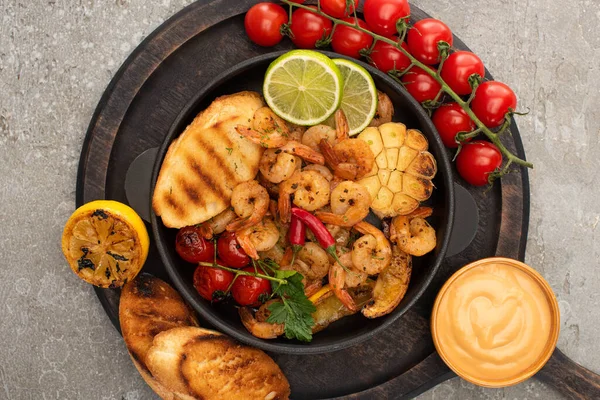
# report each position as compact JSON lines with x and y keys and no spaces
{"x":569,"y":378}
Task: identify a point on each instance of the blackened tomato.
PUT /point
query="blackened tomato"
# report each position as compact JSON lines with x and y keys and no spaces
{"x":450,"y":119}
{"x":212,"y":283}
{"x":349,"y":41}
{"x":382,"y":15}
{"x":250,"y":290}
{"x":192,"y":247}
{"x":477,"y":160}
{"x":423,"y":38}
{"x":338,"y":8}
{"x":307,"y":28}
{"x":420,"y":84}
{"x":386,"y":57}
{"x":492,"y":101}
{"x":458,"y":67}
{"x":229,"y":250}
{"x":263,"y":23}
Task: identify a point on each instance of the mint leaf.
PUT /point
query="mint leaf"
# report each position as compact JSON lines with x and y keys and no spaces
{"x":294,"y":310}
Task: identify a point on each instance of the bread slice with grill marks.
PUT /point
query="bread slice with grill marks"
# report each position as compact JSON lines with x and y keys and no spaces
{"x":207,"y":161}
{"x":205,"y":364}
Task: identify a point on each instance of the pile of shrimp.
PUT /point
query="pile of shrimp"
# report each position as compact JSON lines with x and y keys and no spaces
{"x":316,"y":169}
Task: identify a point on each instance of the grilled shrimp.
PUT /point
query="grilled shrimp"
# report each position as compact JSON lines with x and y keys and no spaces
{"x":355,"y":277}
{"x":337,"y":282}
{"x":350,"y":202}
{"x":312,"y":261}
{"x":250,"y":201}
{"x":323,"y":170}
{"x":313,"y":136}
{"x":276,"y":165}
{"x":412,"y":233}
{"x":310,"y":190}
{"x":372,"y":252}
{"x":385,"y":110}
{"x":267,"y":129}
{"x":350,"y":159}
{"x":260,"y":237}
{"x":217,"y":224}
{"x":257,"y":324}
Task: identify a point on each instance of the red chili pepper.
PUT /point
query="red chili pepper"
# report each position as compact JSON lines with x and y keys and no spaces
{"x":297,"y":236}
{"x":319,"y":230}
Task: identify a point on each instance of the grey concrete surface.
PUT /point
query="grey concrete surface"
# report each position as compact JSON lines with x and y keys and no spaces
{"x":56,"y":58}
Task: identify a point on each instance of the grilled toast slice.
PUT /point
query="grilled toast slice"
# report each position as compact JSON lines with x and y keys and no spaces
{"x":205,"y":163}
{"x":147,"y":307}
{"x":205,"y":364}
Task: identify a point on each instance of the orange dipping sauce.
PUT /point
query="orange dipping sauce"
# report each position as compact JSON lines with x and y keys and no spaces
{"x":495,"y":322}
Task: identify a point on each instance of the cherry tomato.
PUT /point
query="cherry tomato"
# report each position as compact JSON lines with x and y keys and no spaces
{"x":263,"y":23}
{"x":492,"y":101}
{"x":386,"y":57}
{"x":449,"y":119}
{"x":338,"y":8}
{"x":382,"y":15}
{"x":457,"y":69}
{"x":423,"y":38}
{"x":230,"y":251}
{"x":349,"y":41}
{"x":250,"y":290}
{"x":192,"y":247}
{"x":212,"y":283}
{"x":420,"y":84}
{"x":477,"y":160}
{"x":307,"y":28}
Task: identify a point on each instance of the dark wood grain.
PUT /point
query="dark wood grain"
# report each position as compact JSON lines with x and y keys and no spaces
{"x":137,"y":109}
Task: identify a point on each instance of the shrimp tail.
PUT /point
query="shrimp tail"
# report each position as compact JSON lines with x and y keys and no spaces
{"x":239,"y":224}
{"x":337,"y":276}
{"x":331,"y":218}
{"x":304,"y":152}
{"x":285,"y":208}
{"x":329,"y":154}
{"x":341,"y":126}
{"x":247,"y":246}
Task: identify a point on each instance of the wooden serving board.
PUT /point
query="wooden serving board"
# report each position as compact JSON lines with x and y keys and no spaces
{"x":135,"y":114}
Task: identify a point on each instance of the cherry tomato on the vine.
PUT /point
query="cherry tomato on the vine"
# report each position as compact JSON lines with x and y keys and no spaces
{"x":192,"y":247}
{"x":450,"y":119}
{"x":477,"y":160}
{"x":457,"y":69}
{"x":338,"y":8}
{"x":230,"y":251}
{"x":349,"y":41}
{"x":212,"y":283}
{"x":263,"y":23}
{"x":382,"y":15}
{"x":492,"y":101}
{"x":420,"y":84}
{"x":423,"y":38}
{"x":307,"y":28}
{"x":386,"y":57}
{"x":250,"y":290}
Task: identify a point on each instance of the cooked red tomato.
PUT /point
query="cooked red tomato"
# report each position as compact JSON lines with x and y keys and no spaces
{"x":307,"y":28}
{"x":192,"y":247}
{"x":229,"y":250}
{"x":458,"y":67}
{"x":492,"y":101}
{"x":250,"y":290}
{"x":420,"y":84}
{"x":423,"y":38}
{"x":382,"y":15}
{"x":477,"y":160}
{"x":338,"y":8}
{"x":349,"y":41}
{"x":212,"y":283}
{"x":263,"y":23}
{"x":450,"y":119}
{"x":386,"y":57}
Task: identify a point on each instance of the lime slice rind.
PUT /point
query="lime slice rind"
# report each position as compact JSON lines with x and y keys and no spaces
{"x":359,"y":101}
{"x":303,"y":87}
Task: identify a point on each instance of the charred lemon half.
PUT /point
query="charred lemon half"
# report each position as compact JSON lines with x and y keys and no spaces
{"x":403,"y":170}
{"x":105,"y":243}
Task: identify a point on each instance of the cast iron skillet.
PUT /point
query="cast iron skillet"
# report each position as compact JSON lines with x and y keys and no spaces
{"x":349,"y":330}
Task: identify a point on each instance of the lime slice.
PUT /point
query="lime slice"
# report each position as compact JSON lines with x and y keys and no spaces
{"x":303,"y":87}
{"x":359,"y":101}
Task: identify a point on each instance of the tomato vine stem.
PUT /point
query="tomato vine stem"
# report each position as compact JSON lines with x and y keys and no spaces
{"x":491,"y":135}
